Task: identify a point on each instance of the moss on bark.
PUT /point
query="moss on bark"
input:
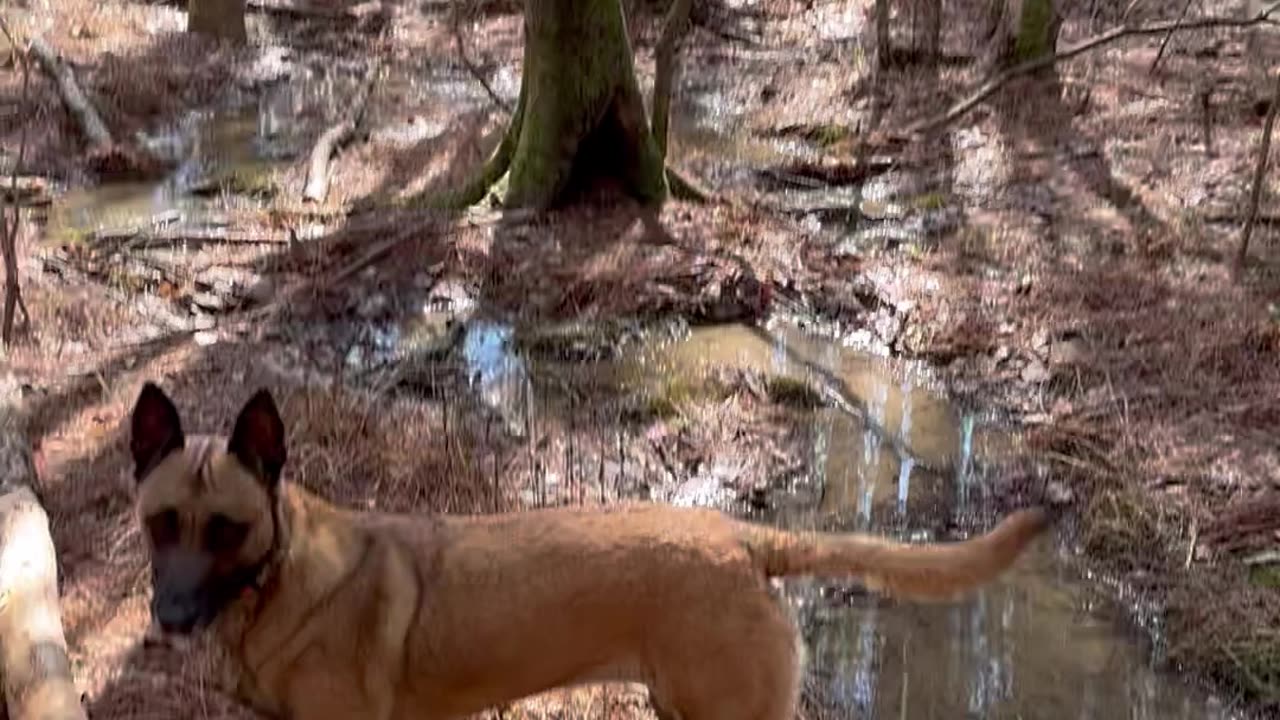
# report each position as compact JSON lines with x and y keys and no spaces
{"x":580,"y":116}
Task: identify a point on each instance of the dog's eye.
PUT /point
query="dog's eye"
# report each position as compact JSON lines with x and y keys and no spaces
{"x":163,"y":527}
{"x":223,"y":535}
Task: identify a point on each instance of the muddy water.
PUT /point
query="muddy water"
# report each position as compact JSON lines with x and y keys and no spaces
{"x":892,"y":455}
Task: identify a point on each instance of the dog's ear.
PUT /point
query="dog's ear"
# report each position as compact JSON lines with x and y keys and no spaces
{"x":258,"y":440}
{"x":155,"y":429}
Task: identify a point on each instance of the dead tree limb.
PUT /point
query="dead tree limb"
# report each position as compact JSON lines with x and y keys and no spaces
{"x":989,"y":88}
{"x":1164,"y":42}
{"x":11,"y":211}
{"x":334,"y":138}
{"x":36,"y":673}
{"x":87,"y":118}
{"x":1259,"y":176}
{"x":667,"y":69}
{"x":466,"y":59}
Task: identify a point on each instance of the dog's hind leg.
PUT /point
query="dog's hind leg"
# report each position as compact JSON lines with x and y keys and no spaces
{"x":745,"y":664}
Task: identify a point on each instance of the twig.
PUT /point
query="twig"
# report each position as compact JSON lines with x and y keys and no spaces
{"x":1259,"y":175}
{"x":990,"y":87}
{"x":466,"y":60}
{"x":666,"y":69}
{"x":1191,"y":546}
{"x":1164,"y":42}
{"x":317,"y":185}
{"x":91,"y":124}
{"x":9,"y":224}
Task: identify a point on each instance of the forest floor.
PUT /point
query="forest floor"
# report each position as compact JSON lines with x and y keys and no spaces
{"x":1060,"y":258}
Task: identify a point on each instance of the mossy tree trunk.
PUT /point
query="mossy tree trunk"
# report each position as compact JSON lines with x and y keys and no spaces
{"x":1022,"y":30}
{"x":223,"y":19}
{"x":580,"y":117}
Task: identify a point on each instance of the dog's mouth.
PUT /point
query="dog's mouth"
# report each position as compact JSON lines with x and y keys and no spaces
{"x":157,"y":636}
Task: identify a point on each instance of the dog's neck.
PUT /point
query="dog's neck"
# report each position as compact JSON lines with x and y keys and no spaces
{"x":312,"y":558}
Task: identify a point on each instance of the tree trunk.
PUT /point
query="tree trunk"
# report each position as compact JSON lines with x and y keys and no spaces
{"x":223,"y":19}
{"x":1037,"y":30}
{"x":1022,"y":30}
{"x":580,"y":117}
{"x":34,"y":668}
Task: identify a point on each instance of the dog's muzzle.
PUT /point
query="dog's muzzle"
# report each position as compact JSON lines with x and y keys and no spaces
{"x":180,"y":601}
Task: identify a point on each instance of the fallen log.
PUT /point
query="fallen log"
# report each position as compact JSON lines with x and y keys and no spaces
{"x":317,"y":185}
{"x":87,"y":118}
{"x":34,"y":670}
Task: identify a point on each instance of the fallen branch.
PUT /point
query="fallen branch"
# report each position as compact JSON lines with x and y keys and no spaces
{"x":466,"y":60}
{"x":337,"y":136}
{"x":1259,"y":175}
{"x":993,"y":85}
{"x":90,"y":122}
{"x":33,"y":661}
{"x":309,"y":12}
{"x":1164,"y":42}
{"x":138,"y":239}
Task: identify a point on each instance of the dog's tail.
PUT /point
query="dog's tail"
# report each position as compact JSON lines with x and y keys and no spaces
{"x":936,"y":571}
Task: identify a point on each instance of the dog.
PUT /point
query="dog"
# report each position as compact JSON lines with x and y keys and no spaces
{"x":327,"y":613}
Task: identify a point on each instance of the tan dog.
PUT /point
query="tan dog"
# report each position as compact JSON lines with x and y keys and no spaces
{"x":330,"y":613}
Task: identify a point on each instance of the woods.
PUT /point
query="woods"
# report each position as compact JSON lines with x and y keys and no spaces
{"x":853,"y":265}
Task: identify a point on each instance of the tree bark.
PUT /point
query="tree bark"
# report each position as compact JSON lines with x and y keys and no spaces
{"x":1020,"y":31}
{"x":223,"y":19}
{"x":580,"y":117}
{"x":36,"y":674}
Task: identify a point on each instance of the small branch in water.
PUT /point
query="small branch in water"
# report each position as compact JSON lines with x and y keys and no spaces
{"x":990,"y":87}
{"x":1259,"y":175}
{"x":331,"y":140}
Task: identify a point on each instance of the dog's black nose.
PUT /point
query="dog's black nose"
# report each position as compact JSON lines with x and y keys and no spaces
{"x":176,"y":615}
{"x":181,"y":627}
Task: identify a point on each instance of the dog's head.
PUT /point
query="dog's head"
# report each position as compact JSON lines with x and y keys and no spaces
{"x":208,"y":507}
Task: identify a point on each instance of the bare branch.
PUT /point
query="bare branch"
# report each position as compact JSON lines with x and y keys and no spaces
{"x":990,"y":87}
{"x":466,"y":60}
{"x":10,"y":223}
{"x":87,"y":117}
{"x":1259,"y":175}
{"x":1164,"y":42}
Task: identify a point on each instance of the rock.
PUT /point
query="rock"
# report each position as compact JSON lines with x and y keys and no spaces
{"x":1035,"y":372}
{"x":881,"y":209}
{"x":209,"y":301}
{"x":205,"y":338}
{"x":261,"y":290}
{"x":204,"y":322}
{"x":372,"y":306}
{"x":1068,"y":352}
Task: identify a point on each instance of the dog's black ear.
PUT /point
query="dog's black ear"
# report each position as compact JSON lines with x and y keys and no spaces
{"x":155,"y":429}
{"x":258,"y":438}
